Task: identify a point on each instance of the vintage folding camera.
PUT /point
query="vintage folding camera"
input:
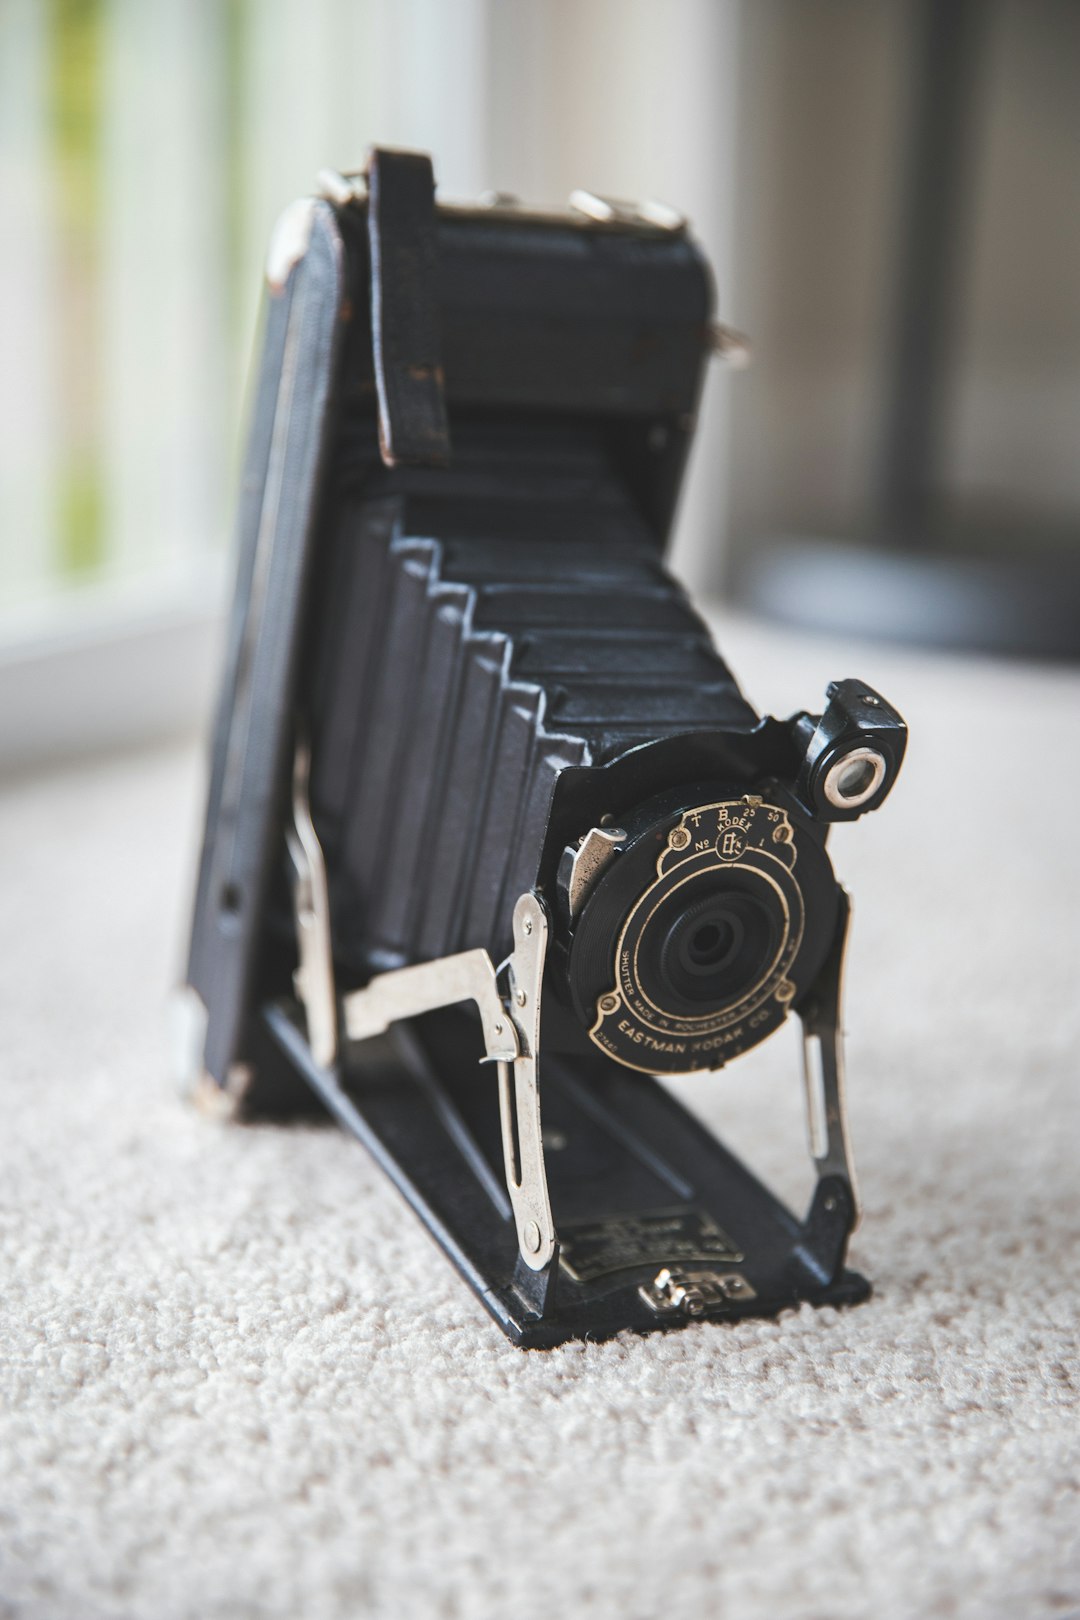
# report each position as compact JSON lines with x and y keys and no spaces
{"x":493,"y":838}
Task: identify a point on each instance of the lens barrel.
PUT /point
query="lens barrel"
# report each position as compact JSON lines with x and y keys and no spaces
{"x":701,"y":934}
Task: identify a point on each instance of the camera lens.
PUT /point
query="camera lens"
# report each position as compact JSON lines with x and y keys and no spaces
{"x":680,"y":960}
{"x":704,"y":949}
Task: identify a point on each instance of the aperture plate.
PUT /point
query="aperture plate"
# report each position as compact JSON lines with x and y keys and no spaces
{"x":742,"y":847}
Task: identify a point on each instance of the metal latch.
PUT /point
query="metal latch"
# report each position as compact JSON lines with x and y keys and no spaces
{"x":694,"y":1292}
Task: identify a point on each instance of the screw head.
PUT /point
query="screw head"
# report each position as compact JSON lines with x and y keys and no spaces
{"x":528,"y":925}
{"x":531,"y":1234}
{"x":678,"y":838}
{"x":608,"y":1004}
{"x":785,"y":990}
{"x":521,"y":998}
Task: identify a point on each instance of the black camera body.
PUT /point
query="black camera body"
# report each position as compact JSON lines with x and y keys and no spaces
{"x":483,"y":790}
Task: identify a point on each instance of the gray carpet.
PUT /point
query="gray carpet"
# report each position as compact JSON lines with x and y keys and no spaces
{"x":238,"y":1379}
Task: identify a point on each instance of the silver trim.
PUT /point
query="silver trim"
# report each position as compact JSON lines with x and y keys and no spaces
{"x":580,"y":867}
{"x":730,"y":346}
{"x":341,"y":189}
{"x":407,"y":992}
{"x":834,"y":775}
{"x":612,"y":211}
{"x":820,"y":1017}
{"x":509,"y":1012}
{"x":526,"y":1172}
{"x":314,"y":977}
{"x":676,"y":1290}
{"x":511,"y":1026}
{"x":585,"y":208}
{"x":188,"y":1019}
{"x":289,"y":242}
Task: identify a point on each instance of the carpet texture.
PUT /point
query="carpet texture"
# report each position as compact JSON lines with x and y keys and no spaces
{"x":237,"y":1378}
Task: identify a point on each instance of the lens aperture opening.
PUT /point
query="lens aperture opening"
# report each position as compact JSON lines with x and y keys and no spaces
{"x":709,"y":944}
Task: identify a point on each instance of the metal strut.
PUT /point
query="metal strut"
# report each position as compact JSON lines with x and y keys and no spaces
{"x":823,"y":1067}
{"x":508,"y":1000}
{"x":314,"y":976}
{"x":509,"y":1006}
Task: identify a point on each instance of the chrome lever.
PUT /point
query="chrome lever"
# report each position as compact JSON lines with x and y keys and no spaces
{"x":409,"y":991}
{"x":511,"y":1027}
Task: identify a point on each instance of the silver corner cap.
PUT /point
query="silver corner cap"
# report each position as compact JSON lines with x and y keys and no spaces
{"x":289,"y":242}
{"x":188,"y":1019}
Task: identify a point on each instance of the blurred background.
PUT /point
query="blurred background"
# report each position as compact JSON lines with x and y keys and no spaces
{"x":886,"y":189}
